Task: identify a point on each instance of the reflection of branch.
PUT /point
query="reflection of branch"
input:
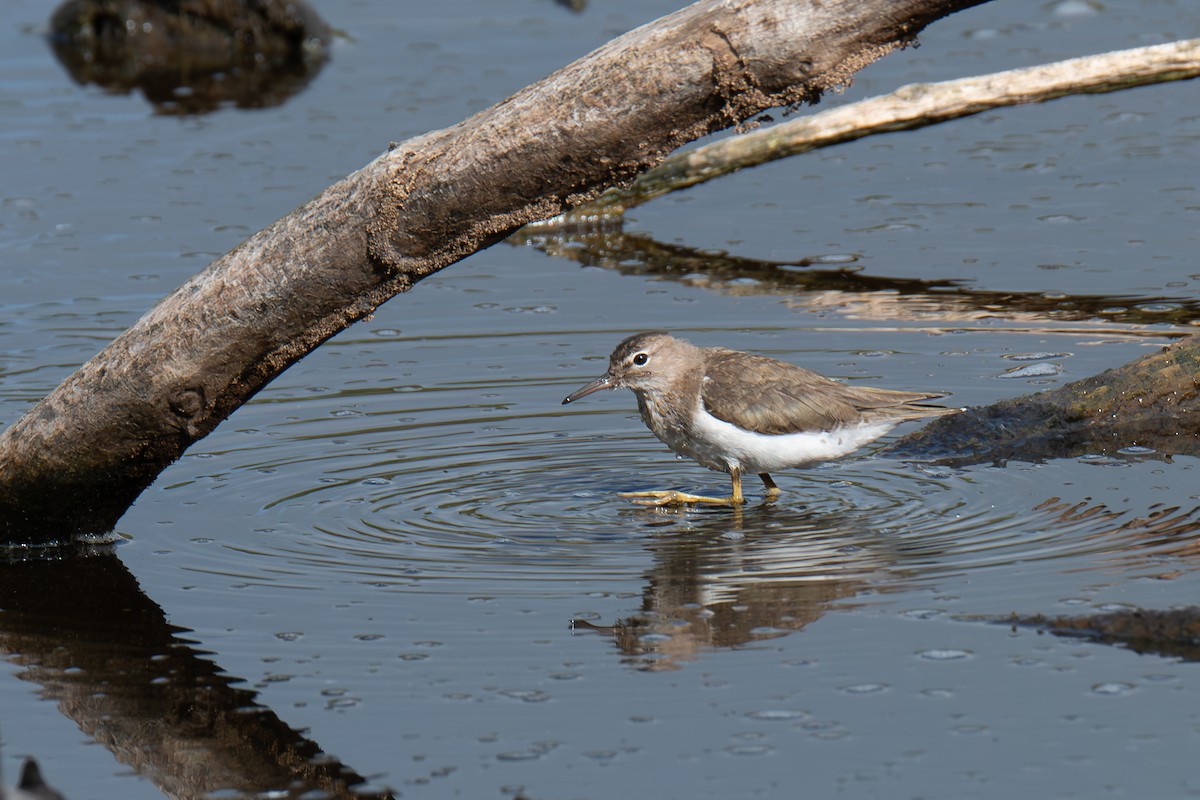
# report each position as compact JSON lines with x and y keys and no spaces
{"x":907,"y":108}
{"x":841,"y":287}
{"x":103,"y":651}
{"x":1174,"y":633}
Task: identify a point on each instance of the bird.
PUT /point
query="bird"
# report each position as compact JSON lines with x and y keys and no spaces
{"x":32,"y":785}
{"x":743,"y":413}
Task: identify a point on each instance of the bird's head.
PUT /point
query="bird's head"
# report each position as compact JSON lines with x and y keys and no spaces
{"x":647,"y":363}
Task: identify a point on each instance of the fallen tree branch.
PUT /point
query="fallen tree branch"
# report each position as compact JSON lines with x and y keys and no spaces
{"x":909,"y":107}
{"x":77,"y":460}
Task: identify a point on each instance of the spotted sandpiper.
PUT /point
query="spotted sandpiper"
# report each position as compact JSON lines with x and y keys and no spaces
{"x":739,"y":412}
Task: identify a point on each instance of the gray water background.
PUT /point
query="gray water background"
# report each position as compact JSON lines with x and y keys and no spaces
{"x":390,"y":543}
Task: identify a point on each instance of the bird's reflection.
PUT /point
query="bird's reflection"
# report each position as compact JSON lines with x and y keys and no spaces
{"x":79,"y":626}
{"x":735,"y":577}
{"x":746,"y":575}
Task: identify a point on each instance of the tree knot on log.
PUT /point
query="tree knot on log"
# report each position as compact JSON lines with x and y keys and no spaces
{"x":389,"y":196}
{"x":189,"y":405}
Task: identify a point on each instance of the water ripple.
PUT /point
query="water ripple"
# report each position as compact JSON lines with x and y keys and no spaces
{"x":403,"y":496}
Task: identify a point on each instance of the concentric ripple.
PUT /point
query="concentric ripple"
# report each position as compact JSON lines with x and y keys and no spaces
{"x":397,"y":494}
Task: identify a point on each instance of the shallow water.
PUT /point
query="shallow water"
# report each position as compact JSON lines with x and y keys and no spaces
{"x":408,"y":549}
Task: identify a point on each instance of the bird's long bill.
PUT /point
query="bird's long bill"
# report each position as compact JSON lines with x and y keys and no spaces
{"x":603,"y":382}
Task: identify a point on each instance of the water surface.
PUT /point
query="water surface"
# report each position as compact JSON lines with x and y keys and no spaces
{"x":408,"y":550}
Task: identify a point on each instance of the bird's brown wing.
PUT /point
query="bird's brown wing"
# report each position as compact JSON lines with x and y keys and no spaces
{"x":768,"y":396}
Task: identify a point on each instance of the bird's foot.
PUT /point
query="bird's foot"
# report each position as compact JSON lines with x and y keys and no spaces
{"x":671,"y":497}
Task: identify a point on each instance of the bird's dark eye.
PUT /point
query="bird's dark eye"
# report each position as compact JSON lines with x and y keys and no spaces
{"x":640,"y":358}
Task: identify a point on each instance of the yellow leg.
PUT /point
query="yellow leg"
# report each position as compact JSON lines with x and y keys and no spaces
{"x":772,"y":489}
{"x":671,"y":497}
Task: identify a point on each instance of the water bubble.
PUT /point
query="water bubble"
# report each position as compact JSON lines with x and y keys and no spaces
{"x":865,"y":688}
{"x":1042,"y":370}
{"x":1076,"y":8}
{"x":768,"y":630}
{"x":1034,"y":356}
{"x":1114,"y":608}
{"x":1113,"y":688}
{"x":943,"y":654}
{"x":1098,"y":458}
{"x":1158,"y":308}
{"x":526,"y":695}
{"x":922,"y":613}
{"x":749,"y":749}
{"x":776,"y":714}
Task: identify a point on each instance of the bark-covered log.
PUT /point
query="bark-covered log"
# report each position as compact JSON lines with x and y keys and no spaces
{"x":78,"y":459}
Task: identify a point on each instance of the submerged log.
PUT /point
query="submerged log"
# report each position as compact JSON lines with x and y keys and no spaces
{"x":76,"y":461}
{"x":1149,"y":406}
{"x":192,"y":56}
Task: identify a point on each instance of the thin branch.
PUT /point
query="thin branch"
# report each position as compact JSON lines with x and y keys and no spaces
{"x":909,"y":107}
